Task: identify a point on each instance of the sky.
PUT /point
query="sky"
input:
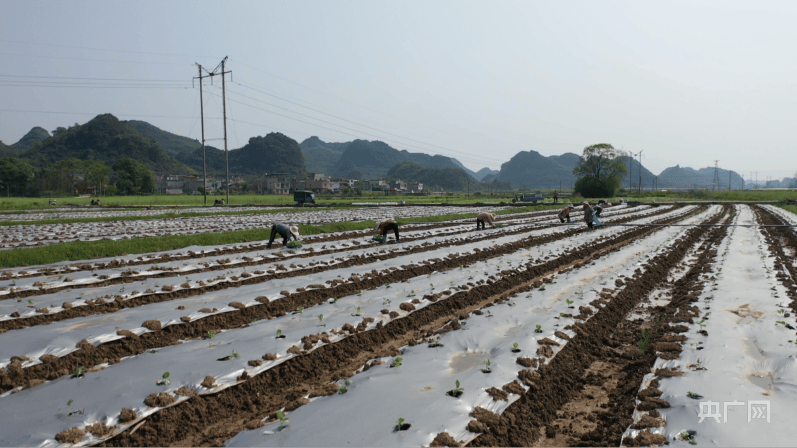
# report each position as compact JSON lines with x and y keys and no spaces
{"x":683,"y":82}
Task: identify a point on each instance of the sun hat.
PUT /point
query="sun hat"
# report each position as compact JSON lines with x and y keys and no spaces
{"x":295,"y":231}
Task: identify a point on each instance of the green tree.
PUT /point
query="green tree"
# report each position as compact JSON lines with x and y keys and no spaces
{"x":97,"y":175}
{"x":201,"y":189}
{"x":134,"y":177}
{"x":599,"y":172}
{"x":16,"y":176}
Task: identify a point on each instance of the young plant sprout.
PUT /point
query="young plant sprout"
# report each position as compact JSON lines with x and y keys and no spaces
{"x":399,"y":424}
{"x":235,"y":354}
{"x":164,"y":381}
{"x":487,"y":369}
{"x":561,"y":314}
{"x":569,"y":302}
{"x":538,"y":329}
{"x":300,"y":309}
{"x":457,"y":391}
{"x":694,"y":395}
{"x":397,"y":362}
{"x":211,"y":334}
{"x":78,"y":372}
{"x":279,"y":333}
{"x":282,"y":418}
{"x":515,"y":347}
{"x":320,"y":317}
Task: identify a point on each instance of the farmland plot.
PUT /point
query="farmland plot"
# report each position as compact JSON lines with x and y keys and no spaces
{"x":37,"y":235}
{"x":381,"y":333}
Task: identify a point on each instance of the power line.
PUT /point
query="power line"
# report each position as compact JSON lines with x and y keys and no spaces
{"x":353,"y":122}
{"x":94,"y":79}
{"x":103,"y":49}
{"x":93,"y":60}
{"x":360,"y":133}
{"x":95,"y":113}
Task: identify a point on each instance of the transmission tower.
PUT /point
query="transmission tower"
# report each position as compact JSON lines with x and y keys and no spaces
{"x":716,"y":183}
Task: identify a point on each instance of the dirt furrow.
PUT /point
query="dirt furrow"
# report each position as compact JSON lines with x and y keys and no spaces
{"x":594,"y":379}
{"x":780,"y":240}
{"x":209,"y":420}
{"x":112,"y":304}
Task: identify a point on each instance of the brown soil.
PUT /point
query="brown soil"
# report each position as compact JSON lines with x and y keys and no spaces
{"x":237,"y":319}
{"x":127,"y":415}
{"x":586,"y":394}
{"x":217,"y":417}
{"x":73,"y":435}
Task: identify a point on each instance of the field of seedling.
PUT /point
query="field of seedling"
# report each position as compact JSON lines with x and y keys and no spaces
{"x":669,"y":324}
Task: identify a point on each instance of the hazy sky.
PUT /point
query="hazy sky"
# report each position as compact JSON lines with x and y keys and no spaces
{"x":685,"y":82}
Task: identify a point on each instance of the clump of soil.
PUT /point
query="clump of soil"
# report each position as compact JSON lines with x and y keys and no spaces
{"x":497,"y":394}
{"x":237,"y":305}
{"x":85,"y":345}
{"x":325,"y":390}
{"x":444,"y":439}
{"x":513,"y":388}
{"x":127,"y":334}
{"x":160,"y":400}
{"x":295,"y":404}
{"x":254,"y":424}
{"x":67,"y":306}
{"x":154,"y":325}
{"x":98,"y":429}
{"x":406,"y":306}
{"x":255,"y":362}
{"x":185,"y":319}
{"x":48,"y":359}
{"x":208,"y":382}
{"x":270,"y":357}
{"x":127,"y":415}
{"x":295,"y":350}
{"x":72,"y":435}
{"x":185,"y":392}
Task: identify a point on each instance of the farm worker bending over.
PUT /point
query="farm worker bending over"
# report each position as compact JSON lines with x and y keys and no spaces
{"x":386,"y":226}
{"x":483,"y":218}
{"x":588,"y":212}
{"x":285,"y":232}
{"x":565,"y":213}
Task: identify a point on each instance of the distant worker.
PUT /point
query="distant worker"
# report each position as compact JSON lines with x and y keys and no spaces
{"x":93,"y":202}
{"x":218,"y":202}
{"x":386,"y":226}
{"x":285,"y":232}
{"x":588,"y":215}
{"x":621,"y":201}
{"x":53,"y":202}
{"x":565,"y":213}
{"x":97,"y":202}
{"x":483,"y":218}
{"x":555,"y":196}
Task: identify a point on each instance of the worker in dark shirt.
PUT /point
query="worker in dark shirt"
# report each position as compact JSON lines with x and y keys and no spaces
{"x":386,"y":226}
{"x":285,"y":232}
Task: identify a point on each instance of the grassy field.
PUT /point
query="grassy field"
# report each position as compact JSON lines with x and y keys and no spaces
{"x":83,"y":250}
{"x":791,"y":208}
{"x":22,"y":204}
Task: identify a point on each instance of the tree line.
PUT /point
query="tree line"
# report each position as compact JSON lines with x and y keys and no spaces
{"x":127,"y":176}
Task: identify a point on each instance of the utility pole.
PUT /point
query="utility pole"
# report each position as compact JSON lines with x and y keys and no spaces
{"x":715,"y":184}
{"x":729,"y":180}
{"x":630,"y":170}
{"x":640,"y":171}
{"x":224,"y":107}
{"x":202,"y":113}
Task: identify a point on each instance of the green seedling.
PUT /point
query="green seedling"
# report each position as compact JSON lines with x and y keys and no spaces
{"x":456,"y":391}
{"x":487,"y":369}
{"x":300,"y":309}
{"x":780,"y":322}
{"x":282,"y":418}
{"x":538,"y":329}
{"x":699,"y":367}
{"x":694,"y":395}
{"x":30,"y":302}
{"x":320,"y":317}
{"x":780,"y":312}
{"x":211,"y":334}
{"x":645,"y":342}
{"x":164,"y":381}
{"x":436,"y":343}
{"x":279,"y":333}
{"x":399,"y":424}
{"x":542,"y":288}
{"x":489,"y":314}
{"x":511,"y":304}
{"x":385,"y":301}
{"x":78,"y":372}
{"x":515,"y":347}
{"x":387,"y":286}
{"x":569,"y":302}
{"x":235,"y":354}
{"x":561,"y":314}
{"x":360,"y":293}
{"x":397,"y":362}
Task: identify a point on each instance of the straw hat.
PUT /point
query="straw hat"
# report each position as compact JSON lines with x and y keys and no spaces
{"x":294,"y":231}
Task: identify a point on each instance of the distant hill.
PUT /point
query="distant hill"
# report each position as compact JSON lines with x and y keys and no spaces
{"x":568,"y":160}
{"x":373,"y":159}
{"x":470,"y":172}
{"x":36,"y":134}
{"x":320,"y":156}
{"x":482,"y":173}
{"x":446,"y":179}
{"x":274,"y":153}
{"x":530,"y":169}
{"x":106,"y":139}
{"x":175,"y":145}
{"x":677,"y":177}
{"x":648,"y":178}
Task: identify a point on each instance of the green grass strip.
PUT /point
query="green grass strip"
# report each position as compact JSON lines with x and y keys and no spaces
{"x":85,"y":250}
{"x":790,"y":208}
